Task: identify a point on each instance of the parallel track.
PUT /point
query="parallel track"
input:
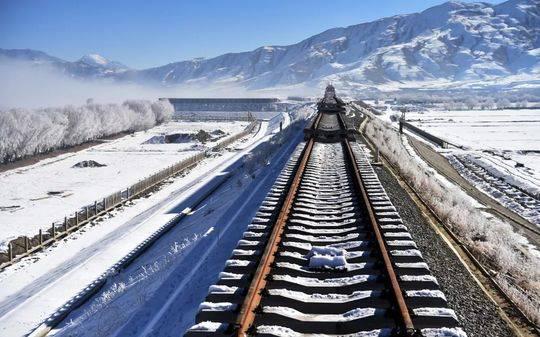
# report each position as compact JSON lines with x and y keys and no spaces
{"x":326,"y":254}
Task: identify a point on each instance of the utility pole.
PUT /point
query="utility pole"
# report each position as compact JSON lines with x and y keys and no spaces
{"x":402,"y":119}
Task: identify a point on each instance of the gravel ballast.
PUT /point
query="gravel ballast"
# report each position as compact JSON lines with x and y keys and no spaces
{"x":477,"y":314}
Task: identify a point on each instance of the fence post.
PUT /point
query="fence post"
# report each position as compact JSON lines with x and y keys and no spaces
{"x":104,"y":204}
{"x":65,"y":224}
{"x":26,"y":244}
{"x":87,"y":214}
{"x":40,"y":237}
{"x":53,"y":231}
{"x":10,"y":252}
{"x":76,"y":218}
{"x":95,"y":208}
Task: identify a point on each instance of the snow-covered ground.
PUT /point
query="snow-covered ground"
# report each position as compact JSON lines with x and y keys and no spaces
{"x":490,"y":144}
{"x":34,"y":288}
{"x":159,"y":295}
{"x":32,"y":197}
{"x":513,"y":134}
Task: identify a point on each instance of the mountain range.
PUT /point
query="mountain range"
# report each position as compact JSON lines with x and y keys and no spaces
{"x":453,"y":42}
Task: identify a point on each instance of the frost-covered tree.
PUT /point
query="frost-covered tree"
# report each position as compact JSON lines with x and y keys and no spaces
{"x":26,"y":132}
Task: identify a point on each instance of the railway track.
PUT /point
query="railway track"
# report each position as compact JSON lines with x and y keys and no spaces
{"x":326,"y":255}
{"x":501,"y":191}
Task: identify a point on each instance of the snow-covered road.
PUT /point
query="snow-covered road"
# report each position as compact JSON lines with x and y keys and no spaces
{"x":33,"y":289}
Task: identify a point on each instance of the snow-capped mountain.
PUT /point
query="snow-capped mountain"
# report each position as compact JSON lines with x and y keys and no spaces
{"x":89,"y":66}
{"x":452,"y":42}
{"x":97,"y":60}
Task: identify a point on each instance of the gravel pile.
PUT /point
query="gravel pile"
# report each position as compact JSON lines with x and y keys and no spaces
{"x":477,"y":314}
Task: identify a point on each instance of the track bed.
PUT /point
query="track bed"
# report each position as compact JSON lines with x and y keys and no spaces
{"x":327,"y":254}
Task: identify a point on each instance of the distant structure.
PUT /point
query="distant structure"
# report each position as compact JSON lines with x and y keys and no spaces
{"x":329,"y":124}
{"x":218,"y":109}
{"x":225,"y":104}
{"x":330,"y":102}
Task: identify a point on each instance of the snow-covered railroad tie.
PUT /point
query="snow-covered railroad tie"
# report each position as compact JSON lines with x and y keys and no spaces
{"x":332,"y":258}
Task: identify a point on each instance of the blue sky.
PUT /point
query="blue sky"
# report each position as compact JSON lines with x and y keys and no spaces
{"x":142,"y":33}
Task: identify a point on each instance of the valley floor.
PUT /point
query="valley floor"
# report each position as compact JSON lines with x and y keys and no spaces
{"x":35,"y":196}
{"x":36,"y":287}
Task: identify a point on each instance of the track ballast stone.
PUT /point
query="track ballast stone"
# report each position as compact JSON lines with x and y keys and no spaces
{"x":477,"y":314}
{"x":327,"y":278}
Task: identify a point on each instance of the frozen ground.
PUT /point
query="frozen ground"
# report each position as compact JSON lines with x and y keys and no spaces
{"x":160,"y":294}
{"x":490,"y":144}
{"x":513,"y":134}
{"x":497,"y":151}
{"x":33,"y":289}
{"x":33,"y":197}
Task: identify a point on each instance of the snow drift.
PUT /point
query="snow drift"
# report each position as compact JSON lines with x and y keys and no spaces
{"x":25,"y":132}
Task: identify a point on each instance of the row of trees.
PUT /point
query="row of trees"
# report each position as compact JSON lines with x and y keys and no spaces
{"x":460,"y":100}
{"x":25,"y":132}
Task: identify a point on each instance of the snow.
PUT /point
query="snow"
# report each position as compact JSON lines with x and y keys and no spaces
{"x":397,"y":235}
{"x":406,"y":252}
{"x":451,"y":45}
{"x":443,"y":332}
{"x":422,"y":265}
{"x":439,"y":312}
{"x":323,"y":231}
{"x":127,"y":160}
{"x":237,"y":263}
{"x":326,"y":250}
{"x":229,"y":276}
{"x":34,"y":288}
{"x":507,"y":133}
{"x":418,"y":278}
{"x":176,"y":288}
{"x":322,"y":298}
{"x":244,"y":252}
{"x":221,"y":289}
{"x":350,"y":315}
{"x":425,"y":293}
{"x":399,"y":243}
{"x":209,"y":326}
{"x":27,"y":132}
{"x":492,"y":143}
{"x":94,"y":59}
{"x":322,"y":238}
{"x":330,"y":282}
{"x":327,"y":262}
{"x":221,"y":306}
{"x":286,"y":332}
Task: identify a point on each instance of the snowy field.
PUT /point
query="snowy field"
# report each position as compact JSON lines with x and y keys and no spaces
{"x":499,"y":152}
{"x":36,"y":287}
{"x":33,"y":197}
{"x":514,"y":134}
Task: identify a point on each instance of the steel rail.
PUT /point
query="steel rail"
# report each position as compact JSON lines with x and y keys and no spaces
{"x":463,"y":247}
{"x":246,"y":315}
{"x":408,"y":326}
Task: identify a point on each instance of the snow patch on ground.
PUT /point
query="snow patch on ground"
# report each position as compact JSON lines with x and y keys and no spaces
{"x":127,"y":160}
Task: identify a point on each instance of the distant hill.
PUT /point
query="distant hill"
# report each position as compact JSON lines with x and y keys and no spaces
{"x":451,"y":44}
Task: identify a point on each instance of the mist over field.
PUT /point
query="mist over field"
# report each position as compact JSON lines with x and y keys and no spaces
{"x":27,"y":85}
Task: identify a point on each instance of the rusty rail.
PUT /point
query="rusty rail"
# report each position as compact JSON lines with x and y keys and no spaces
{"x":246,"y":316}
{"x":253,"y":298}
{"x":408,"y":326}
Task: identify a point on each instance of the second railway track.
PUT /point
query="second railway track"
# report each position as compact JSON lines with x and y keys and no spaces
{"x":326,"y":255}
